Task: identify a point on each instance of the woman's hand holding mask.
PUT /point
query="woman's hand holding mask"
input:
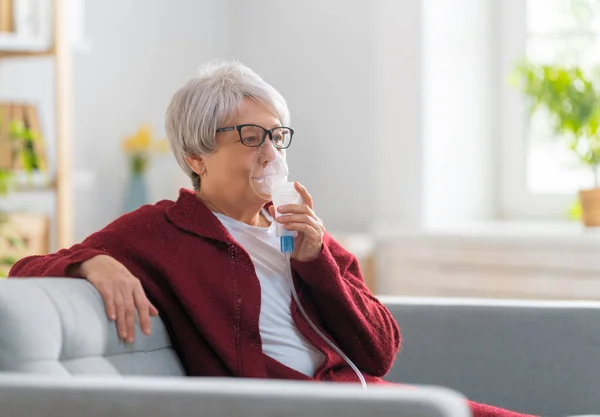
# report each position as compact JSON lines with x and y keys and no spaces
{"x":302,"y":218}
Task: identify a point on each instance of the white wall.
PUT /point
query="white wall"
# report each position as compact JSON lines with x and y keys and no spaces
{"x":141,"y":53}
{"x":319,"y":55}
{"x":399,"y":113}
{"x":389,"y":99}
{"x":350,"y":72}
{"x":459,"y":177}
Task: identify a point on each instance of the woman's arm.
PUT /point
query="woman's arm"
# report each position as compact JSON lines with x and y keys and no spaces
{"x":105,"y":260}
{"x":63,"y":263}
{"x":118,"y":239}
{"x":362,"y":326}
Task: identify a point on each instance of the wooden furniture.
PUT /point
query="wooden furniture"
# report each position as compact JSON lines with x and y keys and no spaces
{"x":22,"y":234}
{"x":502,"y":260}
{"x":362,"y":246}
{"x":59,"y":51}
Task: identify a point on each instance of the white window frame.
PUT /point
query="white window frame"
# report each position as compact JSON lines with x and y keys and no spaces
{"x":517,"y":202}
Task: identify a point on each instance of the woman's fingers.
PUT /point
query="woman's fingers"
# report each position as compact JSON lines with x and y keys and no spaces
{"x":299,"y":213}
{"x":306,"y":197}
{"x":106,"y":292}
{"x":127,"y":294}
{"x":143,"y":308}
{"x":294,"y":212}
{"x":120,"y":308}
{"x":295,"y":209}
{"x":307,"y":229}
{"x":122,"y":294}
{"x":300,"y":218}
{"x":153,"y":310}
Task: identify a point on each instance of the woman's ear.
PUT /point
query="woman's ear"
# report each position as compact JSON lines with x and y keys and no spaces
{"x":196,"y":164}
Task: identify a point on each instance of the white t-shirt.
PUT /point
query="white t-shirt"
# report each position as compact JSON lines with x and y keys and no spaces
{"x":281,"y":339}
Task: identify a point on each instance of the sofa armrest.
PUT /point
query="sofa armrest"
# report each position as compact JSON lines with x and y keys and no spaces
{"x":540,"y":357}
{"x":45,"y":396}
{"x":59,"y":326}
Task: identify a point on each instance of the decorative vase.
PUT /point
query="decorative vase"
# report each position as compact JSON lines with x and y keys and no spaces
{"x":137,"y":194}
{"x":590,"y":207}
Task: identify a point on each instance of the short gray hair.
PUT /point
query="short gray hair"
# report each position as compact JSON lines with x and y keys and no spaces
{"x":199,"y":107}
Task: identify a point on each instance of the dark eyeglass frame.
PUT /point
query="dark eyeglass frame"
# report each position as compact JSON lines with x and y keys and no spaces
{"x":264,"y":137}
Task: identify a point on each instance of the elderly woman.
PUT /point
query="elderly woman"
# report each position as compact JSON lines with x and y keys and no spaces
{"x":210,"y":261}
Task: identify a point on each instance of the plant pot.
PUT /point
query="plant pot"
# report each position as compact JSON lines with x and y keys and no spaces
{"x":590,"y":207}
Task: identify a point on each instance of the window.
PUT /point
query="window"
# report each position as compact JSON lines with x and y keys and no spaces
{"x":540,"y":177}
{"x":565,"y":32}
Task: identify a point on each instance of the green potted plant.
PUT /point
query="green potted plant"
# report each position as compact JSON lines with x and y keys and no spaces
{"x":572,"y":98}
{"x":6,"y":177}
{"x":30,"y":162}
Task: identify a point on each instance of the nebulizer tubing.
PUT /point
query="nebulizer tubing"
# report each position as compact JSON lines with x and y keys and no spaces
{"x":268,"y":179}
{"x":284,"y":193}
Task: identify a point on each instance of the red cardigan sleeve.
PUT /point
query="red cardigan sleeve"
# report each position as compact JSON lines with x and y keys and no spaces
{"x":108,"y":241}
{"x":361,"y":325}
{"x":55,"y":264}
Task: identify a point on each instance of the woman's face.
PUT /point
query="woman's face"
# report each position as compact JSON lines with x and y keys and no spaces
{"x":228,"y":169}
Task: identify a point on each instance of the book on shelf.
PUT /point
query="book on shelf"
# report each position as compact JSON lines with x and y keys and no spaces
{"x":5,"y":144}
{"x":6,"y":16}
{"x":16,"y":117}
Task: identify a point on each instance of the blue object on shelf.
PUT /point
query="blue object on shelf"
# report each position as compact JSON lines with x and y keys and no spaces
{"x":137,"y":194}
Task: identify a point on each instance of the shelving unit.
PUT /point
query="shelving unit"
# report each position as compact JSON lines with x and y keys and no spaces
{"x":59,"y":51}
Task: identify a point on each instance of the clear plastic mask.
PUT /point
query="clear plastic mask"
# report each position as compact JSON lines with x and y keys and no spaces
{"x":269,"y":168}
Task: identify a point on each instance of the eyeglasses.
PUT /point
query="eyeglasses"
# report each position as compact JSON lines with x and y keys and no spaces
{"x":254,"y":136}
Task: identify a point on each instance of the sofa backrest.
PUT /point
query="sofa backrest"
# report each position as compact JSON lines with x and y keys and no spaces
{"x":58,"y":326}
{"x":536,"y":357}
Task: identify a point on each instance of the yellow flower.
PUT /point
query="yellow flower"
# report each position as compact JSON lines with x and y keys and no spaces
{"x":129,"y":144}
{"x":143,"y":142}
{"x":161,"y":146}
{"x":144,"y":136}
{"x":140,"y":141}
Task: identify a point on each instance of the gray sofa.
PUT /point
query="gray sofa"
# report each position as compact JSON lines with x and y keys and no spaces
{"x":535,"y":357}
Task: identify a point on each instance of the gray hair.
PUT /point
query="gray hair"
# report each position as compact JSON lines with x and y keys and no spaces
{"x":199,"y":108}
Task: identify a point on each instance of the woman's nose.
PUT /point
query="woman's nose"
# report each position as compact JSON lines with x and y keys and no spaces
{"x":268,"y":151}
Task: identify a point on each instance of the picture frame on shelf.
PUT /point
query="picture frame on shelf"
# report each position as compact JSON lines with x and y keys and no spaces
{"x":31,"y":26}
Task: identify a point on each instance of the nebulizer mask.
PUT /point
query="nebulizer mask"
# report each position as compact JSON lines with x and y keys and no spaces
{"x":269,"y":170}
{"x":269,"y":180}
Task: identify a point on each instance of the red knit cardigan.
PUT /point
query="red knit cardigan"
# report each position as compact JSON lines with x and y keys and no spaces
{"x":205,"y":286}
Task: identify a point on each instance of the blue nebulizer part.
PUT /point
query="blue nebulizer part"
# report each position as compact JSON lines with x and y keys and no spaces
{"x":286,"y":243}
